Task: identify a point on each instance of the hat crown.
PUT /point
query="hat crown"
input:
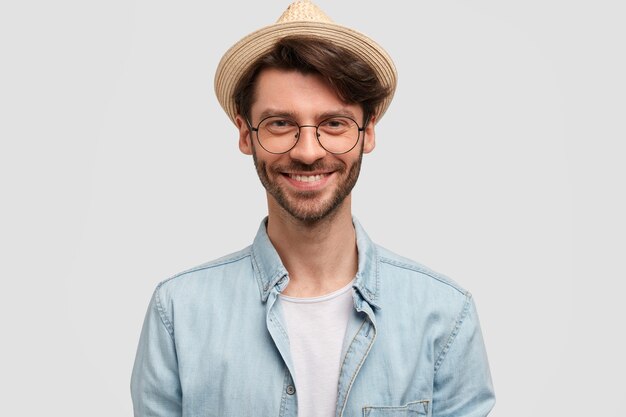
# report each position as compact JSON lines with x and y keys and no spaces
{"x":303,"y":10}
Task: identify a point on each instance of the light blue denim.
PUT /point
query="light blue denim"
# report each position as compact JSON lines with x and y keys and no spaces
{"x":214,"y":342}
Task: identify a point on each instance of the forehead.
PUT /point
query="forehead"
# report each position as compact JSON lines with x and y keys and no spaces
{"x":279,"y":91}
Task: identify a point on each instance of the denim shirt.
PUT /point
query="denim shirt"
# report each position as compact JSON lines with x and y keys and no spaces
{"x":214,"y":342}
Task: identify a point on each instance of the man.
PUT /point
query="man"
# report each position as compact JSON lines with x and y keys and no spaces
{"x":313,"y":319}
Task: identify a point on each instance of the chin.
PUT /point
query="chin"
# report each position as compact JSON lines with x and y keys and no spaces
{"x":312,"y":211}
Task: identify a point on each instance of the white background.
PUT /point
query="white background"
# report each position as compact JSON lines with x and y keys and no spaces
{"x":499,"y":163}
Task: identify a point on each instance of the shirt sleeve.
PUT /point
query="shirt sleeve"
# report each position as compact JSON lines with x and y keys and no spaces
{"x":155,"y":385}
{"x":462,"y":384}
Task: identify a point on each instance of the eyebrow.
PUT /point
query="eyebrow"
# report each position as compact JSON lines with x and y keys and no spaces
{"x":274,"y":112}
{"x":341,"y":111}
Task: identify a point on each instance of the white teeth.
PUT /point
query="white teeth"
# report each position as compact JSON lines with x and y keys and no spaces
{"x":307,"y":178}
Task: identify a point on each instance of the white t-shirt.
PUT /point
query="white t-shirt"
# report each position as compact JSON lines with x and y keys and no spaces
{"x":316,"y":328}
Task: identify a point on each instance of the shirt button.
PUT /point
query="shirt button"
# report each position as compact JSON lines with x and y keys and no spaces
{"x":291,"y":390}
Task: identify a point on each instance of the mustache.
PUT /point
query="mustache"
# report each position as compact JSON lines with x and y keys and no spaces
{"x":301,"y":167}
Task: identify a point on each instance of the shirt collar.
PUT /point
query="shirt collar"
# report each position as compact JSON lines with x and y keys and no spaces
{"x":270,"y":271}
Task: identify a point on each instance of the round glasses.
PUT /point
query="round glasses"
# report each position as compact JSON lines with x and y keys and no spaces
{"x":278,"y":134}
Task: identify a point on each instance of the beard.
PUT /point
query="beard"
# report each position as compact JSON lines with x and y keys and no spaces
{"x":308,"y":207}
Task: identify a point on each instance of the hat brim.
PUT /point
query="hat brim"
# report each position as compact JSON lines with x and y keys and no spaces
{"x":238,"y":59}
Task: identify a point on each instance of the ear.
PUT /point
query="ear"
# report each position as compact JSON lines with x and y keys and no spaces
{"x":245,"y":139}
{"x":369,"y":135}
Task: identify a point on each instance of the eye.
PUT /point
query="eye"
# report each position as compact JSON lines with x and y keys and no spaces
{"x":337,"y":125}
{"x":278,"y":125}
{"x":281,"y":123}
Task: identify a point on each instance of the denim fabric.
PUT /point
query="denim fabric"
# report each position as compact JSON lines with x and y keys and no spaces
{"x":214,"y":342}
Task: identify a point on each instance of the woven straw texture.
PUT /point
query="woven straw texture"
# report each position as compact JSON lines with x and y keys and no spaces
{"x":303,"y":10}
{"x":301,"y":18}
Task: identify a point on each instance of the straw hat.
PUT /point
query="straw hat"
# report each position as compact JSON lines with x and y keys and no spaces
{"x":301,"y":18}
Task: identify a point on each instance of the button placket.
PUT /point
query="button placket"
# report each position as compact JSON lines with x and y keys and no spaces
{"x":289,"y":403}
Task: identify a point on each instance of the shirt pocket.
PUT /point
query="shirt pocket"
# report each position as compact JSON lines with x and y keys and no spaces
{"x":412,"y":409}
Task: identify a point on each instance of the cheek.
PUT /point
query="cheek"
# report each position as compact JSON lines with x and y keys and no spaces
{"x":264,"y":159}
{"x":354,"y":155}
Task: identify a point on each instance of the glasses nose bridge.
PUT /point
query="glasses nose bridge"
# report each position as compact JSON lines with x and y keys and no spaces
{"x":317,"y":133}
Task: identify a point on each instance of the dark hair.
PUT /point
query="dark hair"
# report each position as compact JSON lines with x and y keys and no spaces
{"x":353,"y":79}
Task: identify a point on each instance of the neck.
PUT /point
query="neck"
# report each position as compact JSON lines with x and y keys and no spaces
{"x":320,"y":257}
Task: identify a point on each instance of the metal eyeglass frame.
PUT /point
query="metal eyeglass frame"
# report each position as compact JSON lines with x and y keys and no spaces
{"x":317,"y":135}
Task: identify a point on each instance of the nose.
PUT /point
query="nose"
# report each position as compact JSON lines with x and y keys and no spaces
{"x":308,"y":148}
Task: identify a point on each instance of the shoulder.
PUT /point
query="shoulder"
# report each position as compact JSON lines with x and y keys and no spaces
{"x":398,"y":269}
{"x":206,"y":275}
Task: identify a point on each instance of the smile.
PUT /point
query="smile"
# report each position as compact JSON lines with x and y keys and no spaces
{"x":307,"y":178}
